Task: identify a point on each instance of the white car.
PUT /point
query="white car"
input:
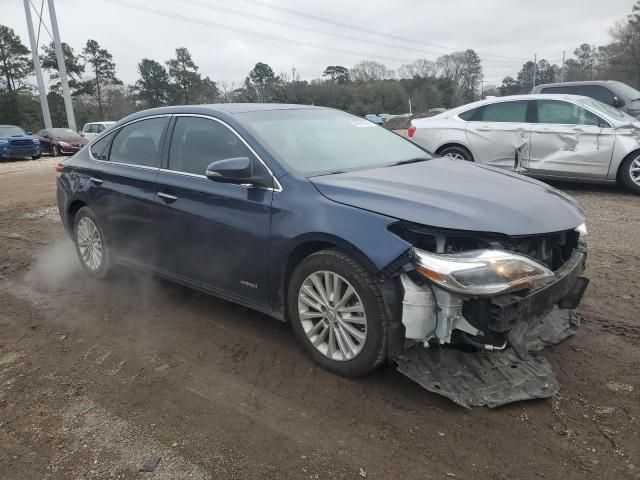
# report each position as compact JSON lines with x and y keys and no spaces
{"x":565,"y":137}
{"x":93,"y":129}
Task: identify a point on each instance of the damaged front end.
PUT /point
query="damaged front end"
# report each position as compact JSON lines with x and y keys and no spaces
{"x":476,"y":307}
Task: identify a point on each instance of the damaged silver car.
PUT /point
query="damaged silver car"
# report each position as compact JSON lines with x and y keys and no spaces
{"x":561,"y":137}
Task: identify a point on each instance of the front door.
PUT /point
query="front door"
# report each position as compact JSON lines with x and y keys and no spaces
{"x":212,"y":234}
{"x":499,"y":134}
{"x":569,"y":141}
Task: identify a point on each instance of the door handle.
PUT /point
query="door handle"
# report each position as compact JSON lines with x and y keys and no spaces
{"x":484,"y":129}
{"x":97,"y":181}
{"x":167,"y":197}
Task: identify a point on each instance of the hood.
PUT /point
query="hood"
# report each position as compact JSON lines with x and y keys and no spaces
{"x":17,"y":137}
{"x":77,"y":139}
{"x":457,"y":195}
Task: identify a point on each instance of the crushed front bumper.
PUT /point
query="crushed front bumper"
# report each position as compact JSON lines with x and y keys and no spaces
{"x":531,"y":322}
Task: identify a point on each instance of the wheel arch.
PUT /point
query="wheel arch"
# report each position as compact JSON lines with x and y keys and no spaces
{"x":72,"y":210}
{"x":455,"y":144}
{"x":633,"y":153}
{"x":306,"y":245}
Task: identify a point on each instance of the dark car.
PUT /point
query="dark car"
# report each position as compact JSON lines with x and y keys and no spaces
{"x":616,"y":94}
{"x":371,"y":248}
{"x":60,"y":141}
{"x":16,"y":143}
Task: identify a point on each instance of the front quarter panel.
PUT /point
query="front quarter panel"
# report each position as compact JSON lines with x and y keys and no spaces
{"x":301,"y":214}
{"x":627,"y":141}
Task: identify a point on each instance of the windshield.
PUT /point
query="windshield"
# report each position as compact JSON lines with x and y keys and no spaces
{"x":314,"y":142}
{"x":626,"y":91}
{"x":608,"y":110}
{"x":63,"y":132}
{"x":11,"y":131}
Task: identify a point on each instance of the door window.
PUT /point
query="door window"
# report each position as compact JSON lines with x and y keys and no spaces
{"x":41,"y":133}
{"x":513,"y":112}
{"x":198,"y":141}
{"x":139,"y":143}
{"x":595,"y":91}
{"x":100,"y":149}
{"x":564,"y":113}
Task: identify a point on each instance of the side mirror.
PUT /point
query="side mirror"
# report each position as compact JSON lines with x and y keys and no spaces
{"x":617,"y":102}
{"x":240,"y":170}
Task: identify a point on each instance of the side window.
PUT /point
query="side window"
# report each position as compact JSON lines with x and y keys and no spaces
{"x":469,"y":114}
{"x":100,"y":149}
{"x":100,"y":128}
{"x":564,"y":113}
{"x":197,"y":142}
{"x":139,"y":143}
{"x":595,"y":91}
{"x":513,"y":112}
{"x":558,"y":90}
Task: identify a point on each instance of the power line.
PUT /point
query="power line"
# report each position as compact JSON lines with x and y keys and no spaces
{"x":366,"y":30}
{"x":276,"y":38}
{"x":309,"y":29}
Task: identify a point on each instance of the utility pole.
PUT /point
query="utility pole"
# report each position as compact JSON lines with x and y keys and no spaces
{"x":46,"y":115}
{"x":68,"y":106}
{"x":535,"y":66}
{"x":564,"y":53}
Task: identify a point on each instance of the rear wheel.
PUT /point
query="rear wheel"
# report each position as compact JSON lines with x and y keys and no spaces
{"x":630,"y":172}
{"x":456,"y":152}
{"x":91,"y":247}
{"x":338,"y":314}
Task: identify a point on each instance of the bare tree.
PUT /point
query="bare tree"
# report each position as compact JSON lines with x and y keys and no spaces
{"x":368,"y":70}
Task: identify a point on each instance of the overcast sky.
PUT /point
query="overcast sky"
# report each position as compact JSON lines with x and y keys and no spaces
{"x":500,"y":28}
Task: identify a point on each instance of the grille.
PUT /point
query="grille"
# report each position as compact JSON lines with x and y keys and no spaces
{"x":22,"y":143}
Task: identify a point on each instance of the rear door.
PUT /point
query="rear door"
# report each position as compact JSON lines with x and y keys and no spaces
{"x":499,"y":131}
{"x":125,"y":169}
{"x":569,"y":141}
{"x":212,"y":234}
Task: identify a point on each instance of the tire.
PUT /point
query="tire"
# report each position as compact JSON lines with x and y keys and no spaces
{"x":629,"y":178}
{"x":55,"y":151}
{"x":36,"y":157}
{"x":365,"y":354}
{"x":456,"y":152}
{"x":82,"y":230}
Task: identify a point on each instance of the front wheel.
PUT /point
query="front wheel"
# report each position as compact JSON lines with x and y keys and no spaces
{"x":91,"y":246}
{"x":338,"y":314}
{"x":630,"y":173}
{"x":36,"y":157}
{"x":55,"y":151}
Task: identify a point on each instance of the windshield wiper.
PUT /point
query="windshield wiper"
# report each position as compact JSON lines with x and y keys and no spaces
{"x":411,"y":160}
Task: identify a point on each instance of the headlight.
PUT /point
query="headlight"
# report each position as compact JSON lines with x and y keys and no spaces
{"x":481,"y":272}
{"x":63,"y":144}
{"x":582,"y":230}
{"x":36,"y":141}
{"x":2,"y":142}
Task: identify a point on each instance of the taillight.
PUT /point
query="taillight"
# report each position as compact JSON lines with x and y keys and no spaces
{"x":411,"y":132}
{"x":59,"y":170}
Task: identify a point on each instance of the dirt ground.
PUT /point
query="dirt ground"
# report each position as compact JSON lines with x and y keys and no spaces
{"x":96,"y":378}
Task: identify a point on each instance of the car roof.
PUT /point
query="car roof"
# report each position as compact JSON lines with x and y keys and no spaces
{"x":571,"y":84}
{"x":530,"y":96}
{"x":10,"y":126}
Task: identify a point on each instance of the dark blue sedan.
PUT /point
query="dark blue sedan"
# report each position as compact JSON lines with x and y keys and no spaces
{"x":370,"y":247}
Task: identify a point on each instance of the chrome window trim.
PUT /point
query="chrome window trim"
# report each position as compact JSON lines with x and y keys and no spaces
{"x":278,"y":187}
{"x":115,"y":131}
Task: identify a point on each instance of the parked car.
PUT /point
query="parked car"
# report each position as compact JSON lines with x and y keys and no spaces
{"x":92,"y":129}
{"x":616,"y":94}
{"x":375,"y":119}
{"x":350,"y":232}
{"x":563,"y":137}
{"x":60,"y":141}
{"x":16,"y":143}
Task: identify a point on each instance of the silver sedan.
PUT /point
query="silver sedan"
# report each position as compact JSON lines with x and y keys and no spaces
{"x":546,"y":136}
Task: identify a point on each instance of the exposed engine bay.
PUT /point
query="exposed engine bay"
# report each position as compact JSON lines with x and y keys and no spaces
{"x":477,"y":306}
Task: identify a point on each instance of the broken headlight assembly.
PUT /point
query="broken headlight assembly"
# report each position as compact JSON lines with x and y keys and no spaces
{"x":481,"y":272}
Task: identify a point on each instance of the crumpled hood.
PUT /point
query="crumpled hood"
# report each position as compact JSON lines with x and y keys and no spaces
{"x":457,"y":195}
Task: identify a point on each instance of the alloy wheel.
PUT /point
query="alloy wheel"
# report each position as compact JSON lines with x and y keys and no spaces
{"x":89,"y":243}
{"x":332,"y":315}
{"x":634,"y":171}
{"x":455,"y":156}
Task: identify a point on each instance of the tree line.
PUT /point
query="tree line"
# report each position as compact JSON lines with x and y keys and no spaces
{"x":367,"y":87}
